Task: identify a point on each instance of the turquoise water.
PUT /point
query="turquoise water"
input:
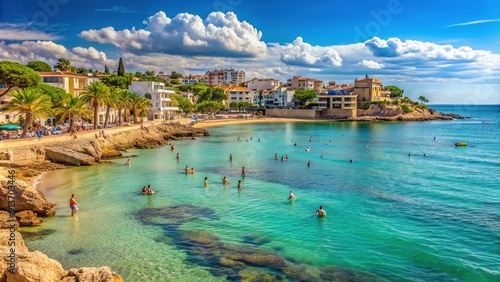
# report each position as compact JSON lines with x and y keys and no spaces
{"x":391,"y":216}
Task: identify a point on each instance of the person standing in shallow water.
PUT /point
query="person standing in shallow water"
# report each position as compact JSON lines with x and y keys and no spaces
{"x":320,"y":212}
{"x":243,"y":172}
{"x":73,"y":205}
{"x":205,"y":182}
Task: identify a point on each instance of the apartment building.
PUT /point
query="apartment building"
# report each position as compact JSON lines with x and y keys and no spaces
{"x":72,"y":83}
{"x":298,"y":82}
{"x":263,"y":84}
{"x":225,"y":77}
{"x":162,"y":105}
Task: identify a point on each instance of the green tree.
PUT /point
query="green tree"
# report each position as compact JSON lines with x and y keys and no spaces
{"x":64,"y":65}
{"x":95,"y":93}
{"x":71,"y":108}
{"x":423,"y":100}
{"x":139,"y":105}
{"x":175,"y":75}
{"x":121,"y":68}
{"x":303,"y":96}
{"x":39,"y":66}
{"x":15,"y":74}
{"x":31,"y":103}
{"x":111,"y":101}
{"x":106,"y":69}
{"x":56,"y":94}
{"x":211,"y":107}
{"x":138,"y":74}
{"x":395,"y":91}
{"x":114,"y":80}
{"x":182,"y":102}
{"x":185,"y":87}
{"x":83,"y":71}
{"x":123,"y":103}
{"x":174,"y":81}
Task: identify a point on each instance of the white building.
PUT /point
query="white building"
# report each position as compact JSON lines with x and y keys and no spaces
{"x":225,"y":77}
{"x":162,"y":105}
{"x":263,"y":84}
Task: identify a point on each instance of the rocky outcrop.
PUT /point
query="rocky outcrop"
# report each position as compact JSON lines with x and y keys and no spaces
{"x":395,"y":113}
{"x":36,"y":266}
{"x":27,"y":198}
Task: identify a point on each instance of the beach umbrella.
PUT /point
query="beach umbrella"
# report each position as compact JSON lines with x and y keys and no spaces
{"x":9,"y":127}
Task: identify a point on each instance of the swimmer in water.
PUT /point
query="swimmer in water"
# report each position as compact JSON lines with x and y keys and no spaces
{"x":320,"y":212}
{"x":291,"y":196}
{"x":225,"y":181}
{"x":128,"y":162}
{"x":205,"y":182}
{"x":240,"y":184}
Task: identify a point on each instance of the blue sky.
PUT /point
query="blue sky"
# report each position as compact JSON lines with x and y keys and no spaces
{"x":448,"y":51}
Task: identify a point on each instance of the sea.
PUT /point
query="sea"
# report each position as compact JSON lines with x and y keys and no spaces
{"x":403,"y":203}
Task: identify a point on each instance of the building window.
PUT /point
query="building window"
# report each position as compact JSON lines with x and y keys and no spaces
{"x":7,"y":117}
{"x":50,"y":80}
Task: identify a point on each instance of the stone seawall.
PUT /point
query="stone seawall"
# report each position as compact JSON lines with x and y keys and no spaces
{"x":91,"y":150}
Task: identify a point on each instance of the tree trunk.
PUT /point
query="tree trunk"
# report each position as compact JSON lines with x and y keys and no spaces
{"x":96,"y":113}
{"x":106,"y":117}
{"x":119,"y":116}
{"x":27,"y":123}
{"x":71,"y":124}
{"x":135,"y":115}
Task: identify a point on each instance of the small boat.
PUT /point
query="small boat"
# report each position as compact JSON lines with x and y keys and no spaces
{"x":461,"y":144}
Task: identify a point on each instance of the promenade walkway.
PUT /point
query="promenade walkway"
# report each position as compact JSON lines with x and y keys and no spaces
{"x":14,"y":143}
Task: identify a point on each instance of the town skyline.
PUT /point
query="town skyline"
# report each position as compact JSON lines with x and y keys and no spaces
{"x":450,"y":56}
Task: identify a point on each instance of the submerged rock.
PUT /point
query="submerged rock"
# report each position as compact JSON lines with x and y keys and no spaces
{"x":336,"y":273}
{"x":37,"y":235}
{"x":176,"y":215}
{"x":252,"y":274}
{"x":256,"y":240}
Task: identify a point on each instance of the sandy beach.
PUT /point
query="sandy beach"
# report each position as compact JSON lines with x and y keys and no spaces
{"x":229,"y":121}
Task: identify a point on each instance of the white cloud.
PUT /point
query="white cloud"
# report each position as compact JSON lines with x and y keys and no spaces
{"x":300,"y":53}
{"x":219,"y":34}
{"x":21,"y":32}
{"x":369,"y":64}
{"x":50,"y":52}
{"x":474,"y":22}
{"x":394,"y":47}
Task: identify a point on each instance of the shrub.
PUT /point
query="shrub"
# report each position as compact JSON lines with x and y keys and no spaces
{"x":421,"y":106}
{"x":406,"y":108}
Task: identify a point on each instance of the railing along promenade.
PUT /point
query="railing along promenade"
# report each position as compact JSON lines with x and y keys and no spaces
{"x":34,"y":141}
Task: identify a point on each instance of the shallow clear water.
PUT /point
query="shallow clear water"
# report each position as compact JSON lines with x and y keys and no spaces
{"x":391,"y":216}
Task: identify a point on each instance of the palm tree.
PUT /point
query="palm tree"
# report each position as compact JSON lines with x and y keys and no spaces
{"x":95,"y":93}
{"x":31,"y":103}
{"x":138,"y":104}
{"x":111,"y":102}
{"x":71,"y":108}
{"x":123,"y":103}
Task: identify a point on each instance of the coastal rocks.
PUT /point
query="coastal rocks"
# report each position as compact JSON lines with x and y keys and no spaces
{"x":5,"y":222}
{"x":91,"y":274}
{"x":69,"y":157}
{"x":36,"y":266}
{"x":31,"y":266}
{"x":26,"y":198}
{"x":28,"y":218}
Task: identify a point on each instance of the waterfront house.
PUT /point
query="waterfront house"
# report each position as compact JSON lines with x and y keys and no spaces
{"x":162,"y":105}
